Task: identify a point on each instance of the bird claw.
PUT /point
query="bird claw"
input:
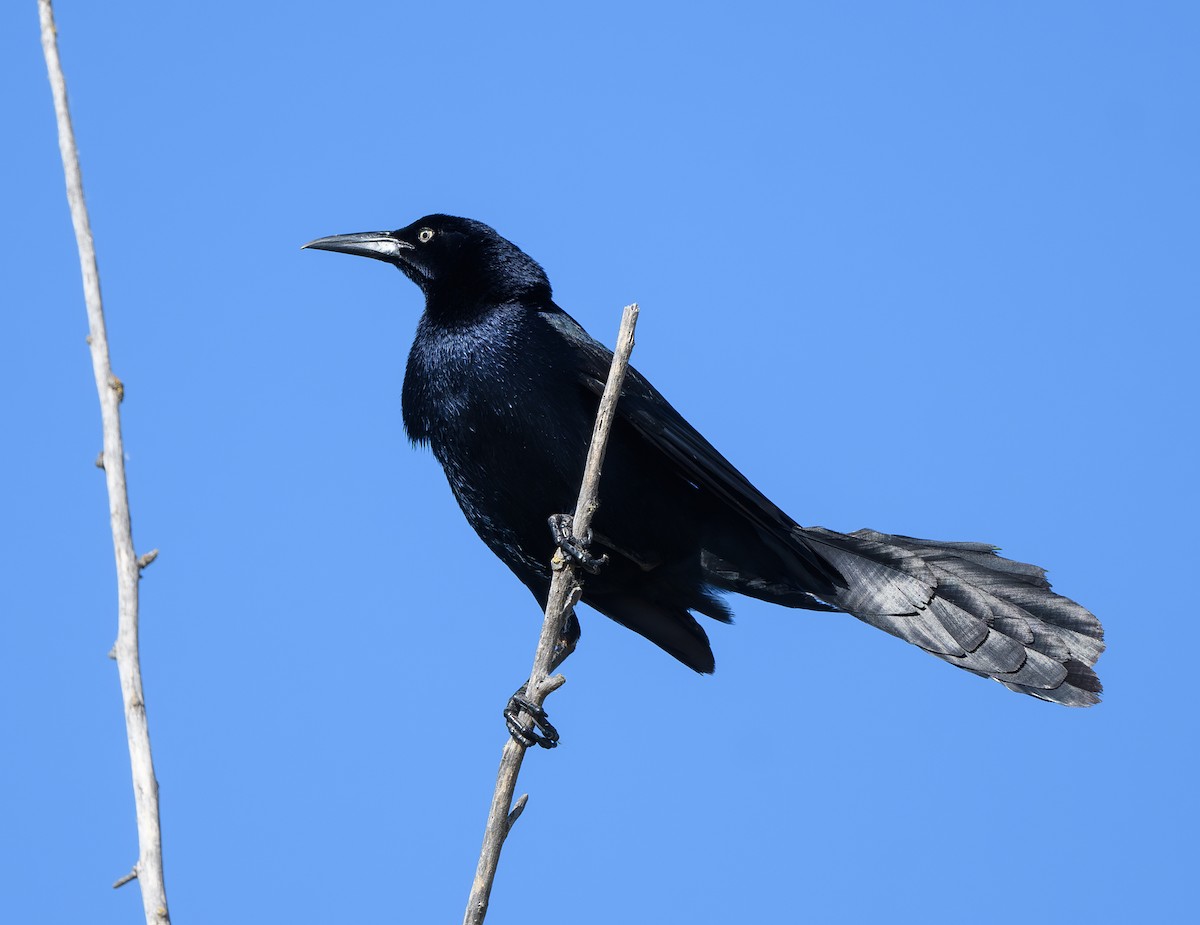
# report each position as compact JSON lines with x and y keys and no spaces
{"x":572,"y":546}
{"x":539,"y":732}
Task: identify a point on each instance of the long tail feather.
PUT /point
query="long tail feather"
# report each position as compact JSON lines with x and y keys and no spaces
{"x":963,"y":603}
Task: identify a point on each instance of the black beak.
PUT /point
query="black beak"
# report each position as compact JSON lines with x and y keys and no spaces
{"x":380,"y":245}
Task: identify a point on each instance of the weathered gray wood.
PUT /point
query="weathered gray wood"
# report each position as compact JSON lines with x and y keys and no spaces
{"x":149,"y":869}
{"x":564,"y":594}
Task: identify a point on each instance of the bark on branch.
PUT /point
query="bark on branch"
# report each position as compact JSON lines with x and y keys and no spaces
{"x":148,"y":870}
{"x":564,"y":594}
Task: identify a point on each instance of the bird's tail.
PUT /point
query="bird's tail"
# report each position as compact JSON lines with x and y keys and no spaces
{"x":974,"y":609}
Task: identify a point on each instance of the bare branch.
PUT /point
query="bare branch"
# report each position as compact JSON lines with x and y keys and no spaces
{"x":148,"y":870}
{"x":564,"y":594}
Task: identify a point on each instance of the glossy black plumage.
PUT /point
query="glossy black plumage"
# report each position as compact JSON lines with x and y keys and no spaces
{"x":503,"y":386}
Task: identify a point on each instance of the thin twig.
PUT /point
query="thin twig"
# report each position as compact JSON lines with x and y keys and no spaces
{"x":148,"y":870}
{"x":563,"y":595}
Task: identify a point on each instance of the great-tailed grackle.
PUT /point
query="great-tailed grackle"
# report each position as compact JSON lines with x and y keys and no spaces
{"x":503,"y":385}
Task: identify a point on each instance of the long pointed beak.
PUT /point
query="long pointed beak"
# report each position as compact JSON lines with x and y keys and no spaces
{"x":380,"y":245}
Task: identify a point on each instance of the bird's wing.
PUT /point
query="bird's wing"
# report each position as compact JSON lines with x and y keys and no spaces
{"x":667,"y":431}
{"x":960,"y":601}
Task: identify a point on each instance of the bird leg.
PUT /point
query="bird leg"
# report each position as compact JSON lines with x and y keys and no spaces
{"x":572,"y":546}
{"x":537,"y":732}
{"x":567,"y":640}
{"x":528,"y":735}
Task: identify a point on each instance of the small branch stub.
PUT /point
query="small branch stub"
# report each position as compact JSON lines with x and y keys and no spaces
{"x":518,"y":808}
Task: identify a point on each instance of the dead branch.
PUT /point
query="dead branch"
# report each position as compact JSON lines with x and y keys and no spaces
{"x":564,"y":594}
{"x":149,"y":870}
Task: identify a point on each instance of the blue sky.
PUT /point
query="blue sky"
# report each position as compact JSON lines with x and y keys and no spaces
{"x":929,"y":268}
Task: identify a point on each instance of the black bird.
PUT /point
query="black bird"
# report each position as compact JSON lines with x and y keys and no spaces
{"x":504,"y":385}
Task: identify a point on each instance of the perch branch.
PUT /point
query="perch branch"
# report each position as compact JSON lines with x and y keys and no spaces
{"x":148,"y":870}
{"x":564,"y":587}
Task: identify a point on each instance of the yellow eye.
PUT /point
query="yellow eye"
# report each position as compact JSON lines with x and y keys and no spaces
{"x":425,"y":235}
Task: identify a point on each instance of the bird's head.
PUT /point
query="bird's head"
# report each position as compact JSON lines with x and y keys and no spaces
{"x":458,"y":262}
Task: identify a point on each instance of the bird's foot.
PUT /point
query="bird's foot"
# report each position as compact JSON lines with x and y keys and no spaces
{"x":574,"y":547}
{"x":537,"y":732}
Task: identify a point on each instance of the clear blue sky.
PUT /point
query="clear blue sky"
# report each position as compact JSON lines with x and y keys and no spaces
{"x":929,"y":268}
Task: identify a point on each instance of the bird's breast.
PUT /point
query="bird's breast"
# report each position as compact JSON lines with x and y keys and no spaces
{"x":499,"y":410}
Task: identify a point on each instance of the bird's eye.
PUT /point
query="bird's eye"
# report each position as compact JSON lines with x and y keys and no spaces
{"x":425,"y":235}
